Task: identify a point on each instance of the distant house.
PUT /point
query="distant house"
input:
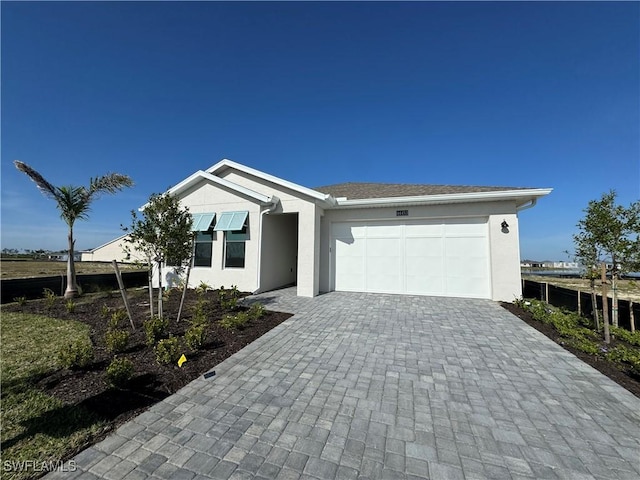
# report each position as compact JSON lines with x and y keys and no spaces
{"x":63,"y":256}
{"x":566,"y":265}
{"x":112,"y":250}
{"x":260,"y":232}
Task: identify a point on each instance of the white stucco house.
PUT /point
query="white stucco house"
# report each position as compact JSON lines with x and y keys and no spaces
{"x":261,"y":232}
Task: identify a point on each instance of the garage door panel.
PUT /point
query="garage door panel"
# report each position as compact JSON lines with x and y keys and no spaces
{"x":425,"y":285}
{"x":424,"y":266}
{"x":348,"y":231}
{"x":465,"y":229}
{"x":383,"y":267}
{"x":424,"y":247}
{"x":382,"y":231}
{"x":466,"y":287}
{"x":424,"y":230}
{"x":443,"y":257}
{"x":350,"y":268}
{"x":465,"y":247}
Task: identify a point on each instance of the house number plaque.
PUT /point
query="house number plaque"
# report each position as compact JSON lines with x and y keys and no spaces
{"x":402,"y":213}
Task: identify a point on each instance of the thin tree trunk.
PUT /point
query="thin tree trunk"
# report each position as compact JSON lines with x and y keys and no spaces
{"x":186,"y":282}
{"x":160,"y":313}
{"x":605,"y":304}
{"x":72,"y":287}
{"x":594,"y":303}
{"x":150,"y":286}
{"x":123,"y":292}
{"x":614,"y":301}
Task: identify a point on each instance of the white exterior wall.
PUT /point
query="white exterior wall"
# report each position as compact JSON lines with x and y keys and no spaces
{"x":505,"y":257}
{"x":279,"y":251}
{"x":504,"y":249}
{"x":206,"y":198}
{"x":113,"y":250}
{"x":309,"y":215}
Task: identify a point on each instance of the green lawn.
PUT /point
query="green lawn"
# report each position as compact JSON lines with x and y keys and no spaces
{"x":37,"y":427}
{"x":42,"y":268}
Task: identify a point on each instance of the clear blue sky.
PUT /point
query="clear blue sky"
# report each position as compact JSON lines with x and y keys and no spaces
{"x":539,"y":94}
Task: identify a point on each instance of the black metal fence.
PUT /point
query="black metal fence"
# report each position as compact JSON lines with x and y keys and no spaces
{"x":34,"y":287}
{"x":580,"y":301}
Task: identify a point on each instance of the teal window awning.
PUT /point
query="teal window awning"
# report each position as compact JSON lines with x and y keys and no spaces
{"x":201,"y":221}
{"x":231,"y":221}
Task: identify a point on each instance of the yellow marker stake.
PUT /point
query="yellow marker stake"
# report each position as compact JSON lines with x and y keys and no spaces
{"x":182,"y":360}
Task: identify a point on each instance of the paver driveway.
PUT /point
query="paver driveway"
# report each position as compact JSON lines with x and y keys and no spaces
{"x":383,"y":386}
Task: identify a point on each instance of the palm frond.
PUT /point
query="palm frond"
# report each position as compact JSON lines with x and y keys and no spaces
{"x":43,"y":185}
{"x":109,"y":183}
{"x":74,"y":204}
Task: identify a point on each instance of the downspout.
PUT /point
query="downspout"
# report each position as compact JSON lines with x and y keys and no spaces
{"x":274,"y":203}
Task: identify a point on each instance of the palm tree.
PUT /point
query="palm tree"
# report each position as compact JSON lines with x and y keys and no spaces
{"x":74,"y":203}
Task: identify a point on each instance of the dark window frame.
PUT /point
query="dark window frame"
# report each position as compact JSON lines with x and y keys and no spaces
{"x":203,"y":249}
{"x":238,"y":239}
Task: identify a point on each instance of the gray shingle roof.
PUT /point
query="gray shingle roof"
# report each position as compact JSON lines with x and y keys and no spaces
{"x":355,"y":190}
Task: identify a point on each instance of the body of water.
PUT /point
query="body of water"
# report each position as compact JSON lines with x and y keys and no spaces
{"x":568,"y":273}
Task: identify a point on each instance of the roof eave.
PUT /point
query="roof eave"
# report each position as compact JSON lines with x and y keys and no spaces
{"x":325,"y":200}
{"x":202,"y":175}
{"x":520,"y":196}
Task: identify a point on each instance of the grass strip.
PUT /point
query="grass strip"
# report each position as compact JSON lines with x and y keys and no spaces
{"x":37,"y":428}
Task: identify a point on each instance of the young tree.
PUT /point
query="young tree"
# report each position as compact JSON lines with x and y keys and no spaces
{"x":74,"y":204}
{"x":587,"y":255}
{"x":611,"y":231}
{"x":163,"y":234}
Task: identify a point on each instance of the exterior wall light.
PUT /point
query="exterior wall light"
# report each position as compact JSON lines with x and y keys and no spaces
{"x":504,"y":224}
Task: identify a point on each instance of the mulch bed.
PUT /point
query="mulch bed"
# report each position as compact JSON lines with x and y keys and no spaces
{"x":624,"y":378}
{"x":152,"y":381}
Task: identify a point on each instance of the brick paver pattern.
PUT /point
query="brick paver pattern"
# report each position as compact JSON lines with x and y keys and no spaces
{"x":366,"y":386}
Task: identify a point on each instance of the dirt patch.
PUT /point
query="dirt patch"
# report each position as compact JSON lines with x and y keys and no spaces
{"x":152,"y":381}
{"x":624,"y":378}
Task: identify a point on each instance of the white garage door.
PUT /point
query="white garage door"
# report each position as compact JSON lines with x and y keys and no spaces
{"x":442,"y":257}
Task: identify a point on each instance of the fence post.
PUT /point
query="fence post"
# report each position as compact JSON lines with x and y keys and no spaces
{"x":546,"y":292}
{"x":579,"y":303}
{"x":631,"y":317}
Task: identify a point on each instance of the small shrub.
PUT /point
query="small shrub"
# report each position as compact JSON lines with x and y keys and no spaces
{"x":539,"y":310}
{"x":20,"y":300}
{"x":119,"y":371}
{"x":521,"y":303}
{"x":231,"y":322}
{"x":116,"y":340}
{"x":622,"y":354}
{"x":70,"y":305}
{"x":199,"y":317}
{"x":626,"y":335}
{"x":168,"y":350}
{"x":585,"y":345}
{"x":104,"y":311}
{"x":228,"y":297}
{"x":256,"y":311}
{"x":202,"y":288}
{"x":116,"y":319}
{"x":195,"y":336}
{"x":155,"y":328}
{"x":49,"y":297}
{"x":77,"y":355}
